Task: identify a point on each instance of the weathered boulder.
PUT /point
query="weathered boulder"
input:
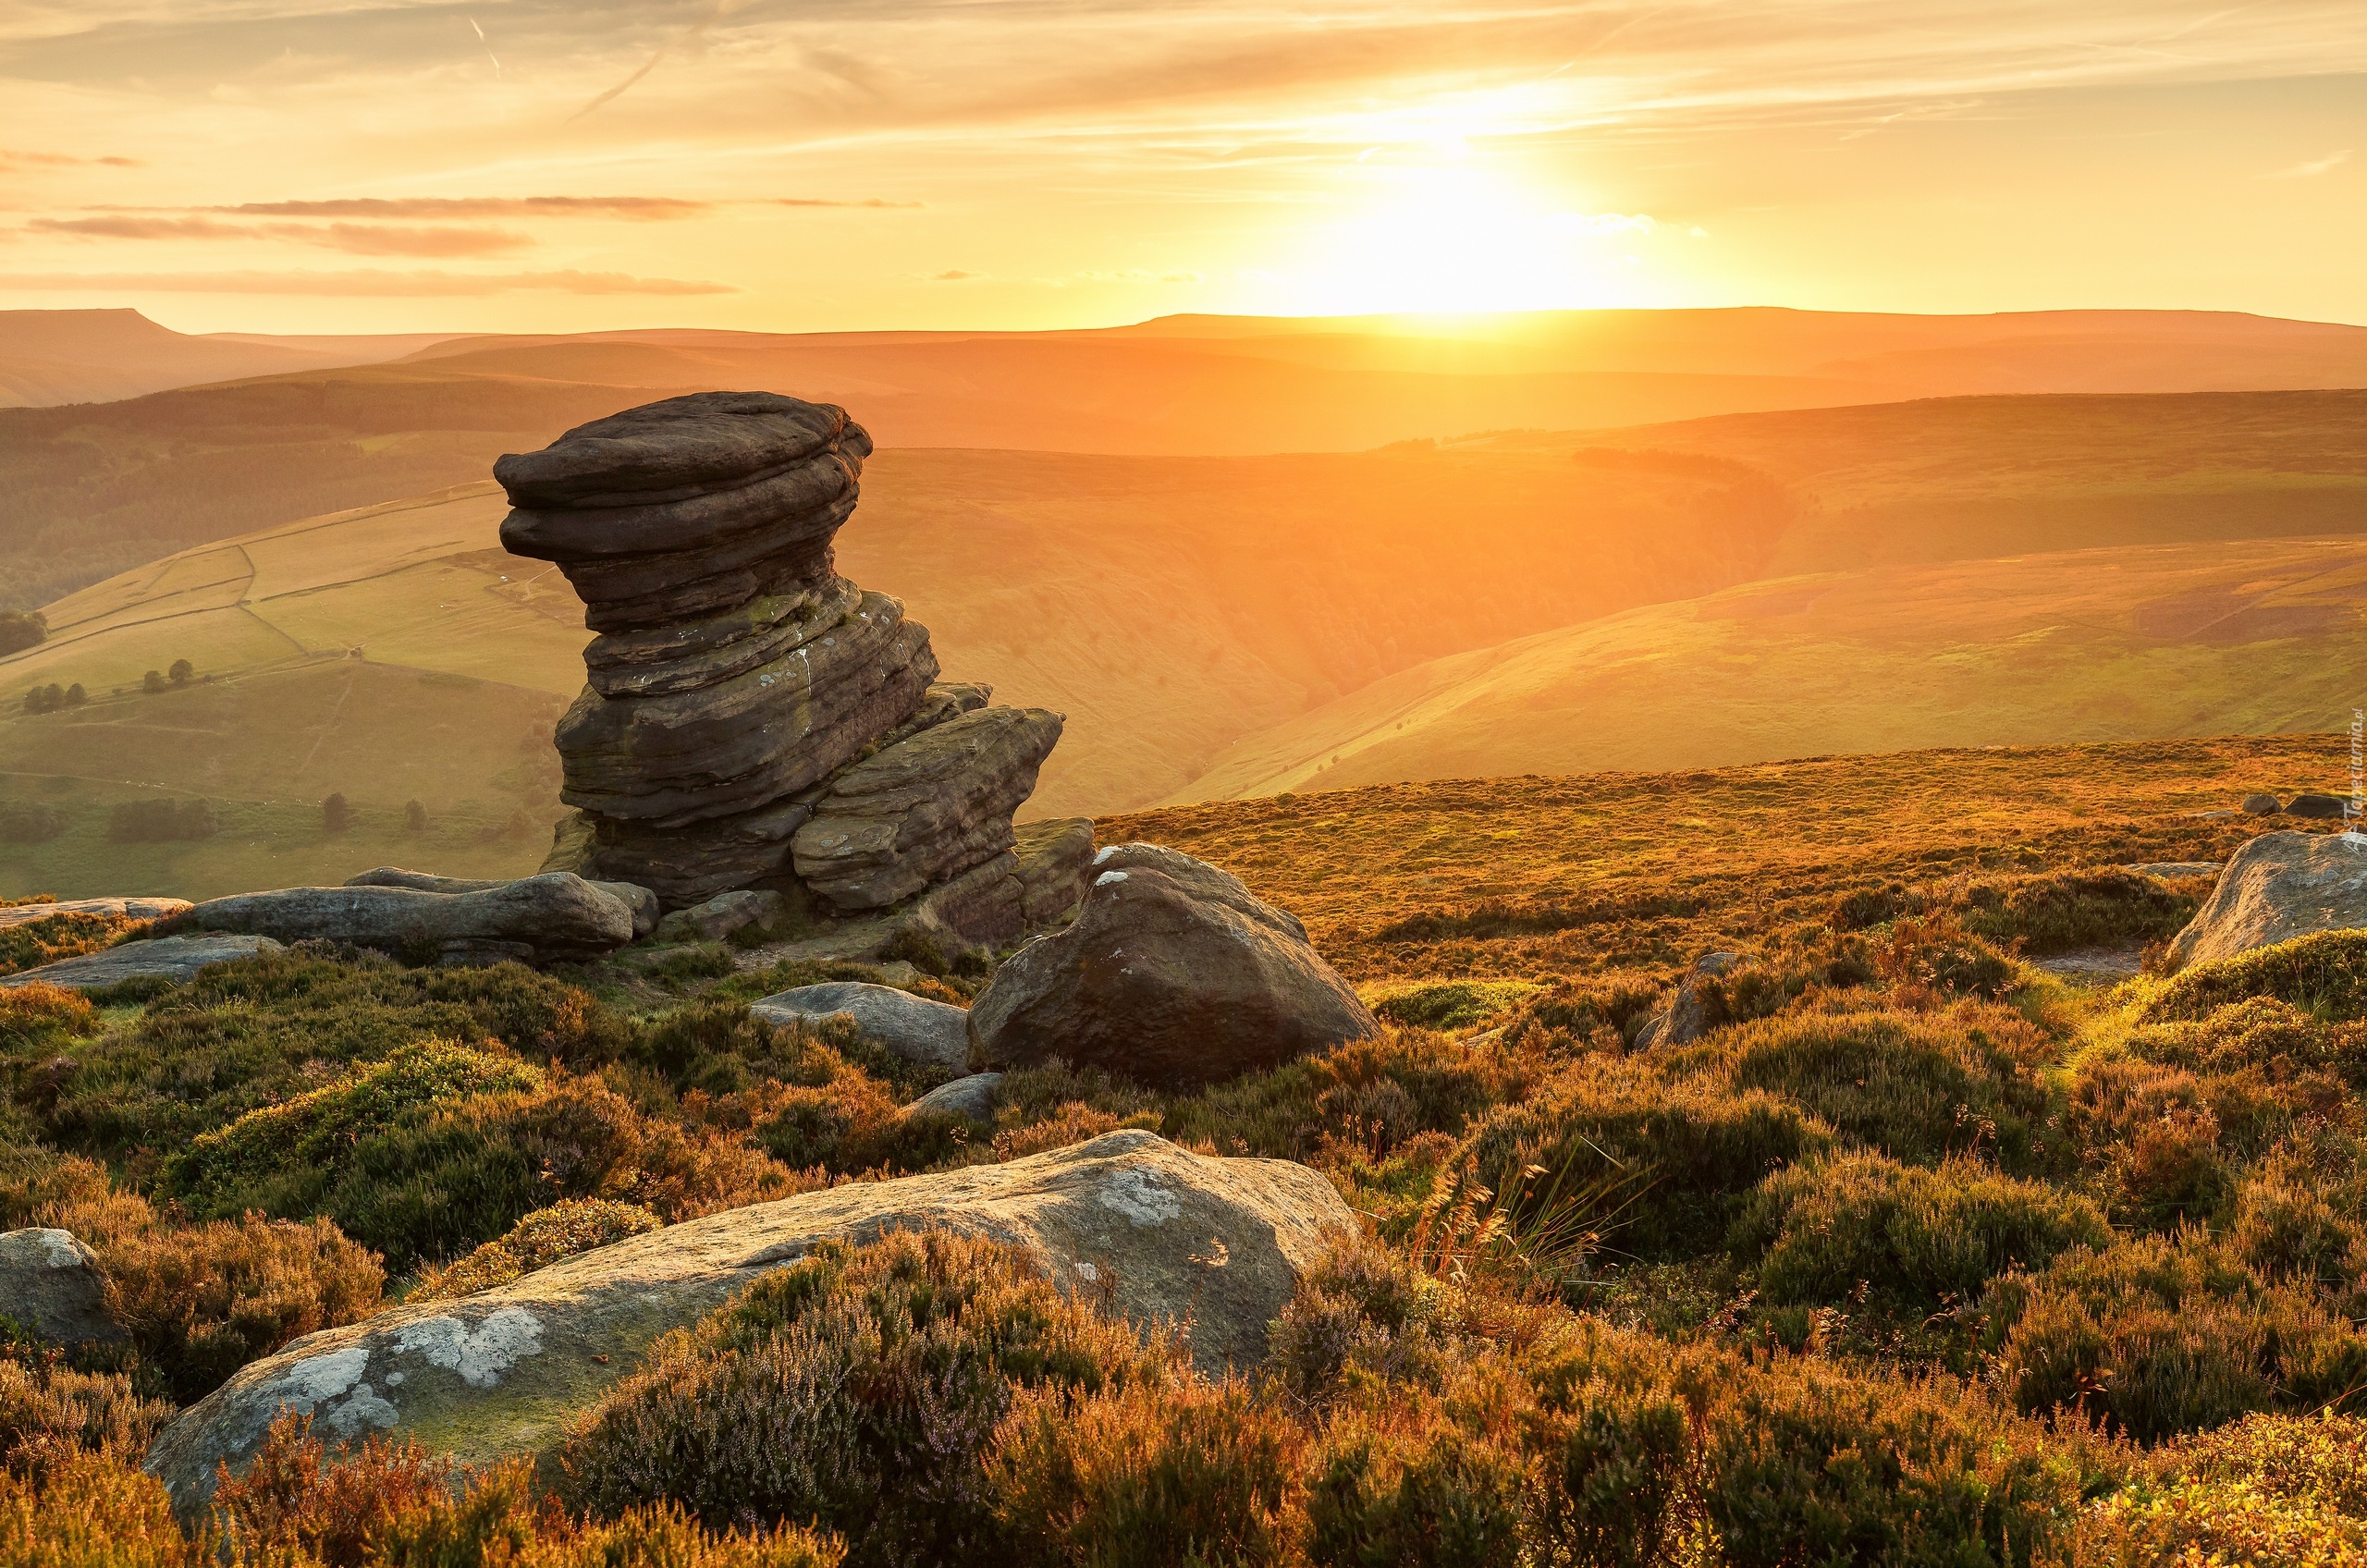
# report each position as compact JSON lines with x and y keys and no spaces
{"x":668,"y":451}
{"x":930,"y":1034}
{"x":971,"y":1098}
{"x":687,"y":865}
{"x":2263,"y":805}
{"x":1167,"y":1233}
{"x":121,"y":908}
{"x":723,"y":916}
{"x":744,"y":744}
{"x":1172,"y":972}
{"x":925,"y":809}
{"x":689,"y":654}
{"x":553,"y":915}
{"x":2316,"y":807}
{"x":1053,"y":855}
{"x":177,"y":959}
{"x":51,"y":1283}
{"x":1686,"y":1017}
{"x":640,"y":900}
{"x":2279,"y":887}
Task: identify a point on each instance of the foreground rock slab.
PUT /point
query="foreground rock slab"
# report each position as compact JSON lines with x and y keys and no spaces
{"x":930,"y":1034}
{"x":1167,"y":1233}
{"x":50,"y":1283}
{"x":555,"y":915}
{"x":121,"y":908}
{"x":177,"y":959}
{"x":1172,"y":972}
{"x":640,"y":900}
{"x":2279,"y":887}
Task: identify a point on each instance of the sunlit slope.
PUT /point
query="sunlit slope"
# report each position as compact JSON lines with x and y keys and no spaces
{"x":389,"y":653}
{"x":1945,"y":478}
{"x":2110,"y":645}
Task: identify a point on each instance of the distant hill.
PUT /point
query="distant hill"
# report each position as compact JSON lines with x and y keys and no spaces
{"x":52,"y":356}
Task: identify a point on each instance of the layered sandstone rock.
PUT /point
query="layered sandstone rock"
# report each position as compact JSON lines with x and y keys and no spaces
{"x":750,"y":718}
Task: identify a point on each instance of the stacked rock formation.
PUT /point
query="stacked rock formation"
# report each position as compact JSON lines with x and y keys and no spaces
{"x":752,"y":719}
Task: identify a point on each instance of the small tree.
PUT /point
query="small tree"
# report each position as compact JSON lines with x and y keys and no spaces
{"x":76,"y":696}
{"x":336,"y":816}
{"x":415,"y":816}
{"x":153,"y":681}
{"x":180,"y":672}
{"x":20,"y":629}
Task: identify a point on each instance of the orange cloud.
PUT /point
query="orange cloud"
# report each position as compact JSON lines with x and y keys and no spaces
{"x":644,"y":209}
{"x":355,"y":239}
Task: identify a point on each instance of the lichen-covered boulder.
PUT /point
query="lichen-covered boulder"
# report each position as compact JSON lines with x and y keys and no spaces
{"x":1172,"y":972}
{"x":177,"y":959}
{"x":2276,"y":888}
{"x":51,"y":1284}
{"x":553,"y":915}
{"x":1164,"y":1234}
{"x":640,"y":900}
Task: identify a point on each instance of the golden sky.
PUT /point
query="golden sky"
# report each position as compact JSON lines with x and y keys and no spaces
{"x":788,"y":165}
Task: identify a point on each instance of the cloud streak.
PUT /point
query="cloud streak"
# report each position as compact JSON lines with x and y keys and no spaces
{"x":354,"y":238}
{"x":2313,"y":168}
{"x":360,"y":284}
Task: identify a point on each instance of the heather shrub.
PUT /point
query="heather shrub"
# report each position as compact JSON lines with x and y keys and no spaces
{"x":1146,"y":1474}
{"x":1594,"y":1011}
{"x":1450,"y":1005}
{"x":52,"y":938}
{"x":2084,"y":906}
{"x":567,"y":1226}
{"x":1615,"y":1478}
{"x":2159,"y":1335}
{"x":2324,"y":975}
{"x":1806,"y":1465}
{"x":2151,"y":1134}
{"x":1935,"y":953}
{"x":1916,"y":1236}
{"x":1424,"y":1082}
{"x":2266,"y":1489}
{"x":202,"y":1301}
{"x":2266,"y":1032}
{"x":305,"y":1140}
{"x":1426,"y":1491}
{"x":38,"y":1012}
{"x":1362,"y":1315}
{"x":290,"y":1500}
{"x":448,"y":1176}
{"x":48,"y":1408}
{"x":92,"y":1511}
{"x":857,"y":1389}
{"x":1916,"y":1088}
{"x":1684,"y":1148}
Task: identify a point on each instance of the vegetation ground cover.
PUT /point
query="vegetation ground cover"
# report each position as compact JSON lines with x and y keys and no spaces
{"x":1920,"y":1254}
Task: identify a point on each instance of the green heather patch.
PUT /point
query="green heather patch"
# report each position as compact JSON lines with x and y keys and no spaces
{"x":2323,"y":973}
{"x":1448,"y":1004}
{"x":315,"y":1129}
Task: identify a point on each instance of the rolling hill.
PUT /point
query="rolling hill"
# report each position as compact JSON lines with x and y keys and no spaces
{"x":52,"y":356}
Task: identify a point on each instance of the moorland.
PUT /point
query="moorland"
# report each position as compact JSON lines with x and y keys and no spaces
{"x":1959,"y":1237}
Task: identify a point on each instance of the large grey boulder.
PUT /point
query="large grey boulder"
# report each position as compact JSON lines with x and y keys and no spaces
{"x":724,"y":916}
{"x":116,"y":908}
{"x":923,"y":1031}
{"x":51,"y":1284}
{"x":2279,"y":887}
{"x":553,"y":915}
{"x":640,"y":900}
{"x":1172,"y":972}
{"x":177,"y":959}
{"x":924,"y":809}
{"x":1165,"y":1233}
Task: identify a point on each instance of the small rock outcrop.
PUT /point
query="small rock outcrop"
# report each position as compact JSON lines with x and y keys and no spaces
{"x":926,"y":1032}
{"x":1172,"y":972}
{"x":177,"y":959}
{"x":726,"y":914}
{"x":751,"y":719}
{"x":120,"y":909}
{"x":51,"y":1283}
{"x":1169,"y":1235}
{"x":2316,"y":807}
{"x":971,"y":1098}
{"x":2279,"y":887}
{"x":2263,"y":805}
{"x":1686,"y":1017}
{"x":534,"y":919}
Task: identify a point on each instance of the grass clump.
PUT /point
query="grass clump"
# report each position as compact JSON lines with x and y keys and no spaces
{"x":2157,"y":1336}
{"x":38,"y":1012}
{"x":1918,"y":1088}
{"x":1450,"y":1005}
{"x":2324,"y":975}
{"x":859,"y":1389}
{"x":32,"y":943}
{"x":567,"y":1228}
{"x":2089,"y":906}
{"x":1916,"y":1237}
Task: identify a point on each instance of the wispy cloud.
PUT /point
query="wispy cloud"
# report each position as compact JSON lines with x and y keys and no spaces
{"x":2314,"y":166}
{"x":641,"y":209}
{"x":22,"y":158}
{"x":955,"y":275}
{"x":873,"y":203}
{"x":354,"y":238}
{"x":360,"y":284}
